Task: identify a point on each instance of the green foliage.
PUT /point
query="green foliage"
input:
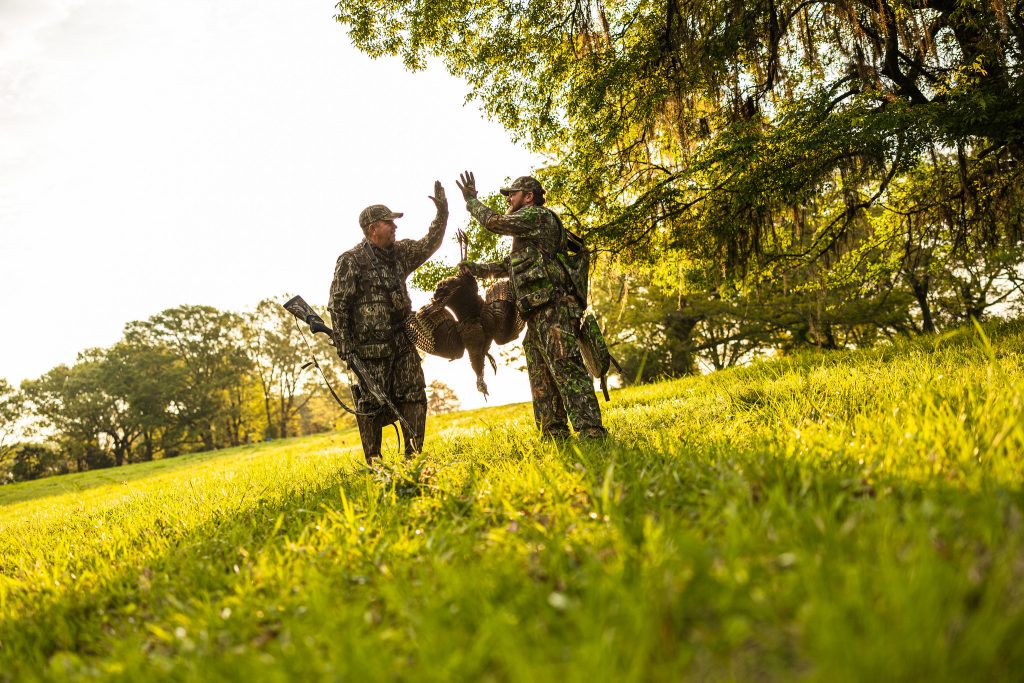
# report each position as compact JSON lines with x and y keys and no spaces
{"x":830,"y":516}
{"x":72,"y":403}
{"x":11,"y":410}
{"x":190,"y":378}
{"x":33,"y":461}
{"x":647,"y":326}
{"x":208,"y":345}
{"x":441,"y":398}
{"x":763,"y":142}
{"x":277,"y":348}
{"x":660,"y":327}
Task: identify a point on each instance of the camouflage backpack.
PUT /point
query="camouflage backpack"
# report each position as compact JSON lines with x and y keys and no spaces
{"x":575,"y":261}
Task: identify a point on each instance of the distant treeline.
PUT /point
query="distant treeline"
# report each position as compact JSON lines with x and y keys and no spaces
{"x":188,"y":379}
{"x":195,"y":378}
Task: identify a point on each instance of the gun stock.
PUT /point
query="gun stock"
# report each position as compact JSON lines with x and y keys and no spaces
{"x":298,"y":307}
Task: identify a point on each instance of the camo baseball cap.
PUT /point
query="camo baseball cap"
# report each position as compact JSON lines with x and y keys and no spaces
{"x":525,"y":183}
{"x":376,"y":212}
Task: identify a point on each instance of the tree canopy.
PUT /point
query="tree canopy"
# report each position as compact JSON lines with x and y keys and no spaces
{"x":189,"y":378}
{"x":849,"y":160}
{"x":11,"y":410}
{"x":715,"y":126}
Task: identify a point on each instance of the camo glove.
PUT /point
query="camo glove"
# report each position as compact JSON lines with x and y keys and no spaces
{"x":348,"y":359}
{"x":467,"y":183}
{"x":440,"y":201}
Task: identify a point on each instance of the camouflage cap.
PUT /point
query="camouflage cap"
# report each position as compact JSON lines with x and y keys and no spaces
{"x":376,"y":212}
{"x":525,"y":183}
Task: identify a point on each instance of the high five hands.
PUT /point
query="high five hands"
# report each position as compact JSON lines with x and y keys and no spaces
{"x":467,"y":183}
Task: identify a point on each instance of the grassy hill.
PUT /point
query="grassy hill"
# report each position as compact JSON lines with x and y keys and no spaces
{"x":845,"y":516}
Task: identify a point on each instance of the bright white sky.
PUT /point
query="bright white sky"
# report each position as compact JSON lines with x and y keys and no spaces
{"x":165,"y":152}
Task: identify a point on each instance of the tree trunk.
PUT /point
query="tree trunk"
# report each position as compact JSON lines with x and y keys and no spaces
{"x":147,"y":445}
{"x":920,"y":289}
{"x":681,"y":326}
{"x":284,"y":418}
{"x":268,"y":433}
{"x":829,"y":337}
{"x":974,"y":306}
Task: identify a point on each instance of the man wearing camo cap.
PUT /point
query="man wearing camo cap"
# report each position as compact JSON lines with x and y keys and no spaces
{"x":369,"y":307}
{"x":547,"y":300}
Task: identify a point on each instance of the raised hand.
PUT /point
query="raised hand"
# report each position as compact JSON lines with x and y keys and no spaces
{"x":440,"y":199}
{"x":467,"y":183}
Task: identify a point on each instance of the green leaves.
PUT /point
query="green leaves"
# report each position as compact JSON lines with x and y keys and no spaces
{"x":11,"y":411}
{"x":189,"y":378}
{"x":753,"y":137}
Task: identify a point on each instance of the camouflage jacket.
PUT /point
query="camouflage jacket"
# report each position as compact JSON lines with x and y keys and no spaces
{"x":537,"y":237}
{"x":369,"y":302}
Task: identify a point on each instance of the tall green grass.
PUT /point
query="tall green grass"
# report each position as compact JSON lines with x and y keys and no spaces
{"x":843,"y":516}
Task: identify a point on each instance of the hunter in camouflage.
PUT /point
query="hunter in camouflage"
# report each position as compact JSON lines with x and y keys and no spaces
{"x":370,"y":309}
{"x":546,"y":299}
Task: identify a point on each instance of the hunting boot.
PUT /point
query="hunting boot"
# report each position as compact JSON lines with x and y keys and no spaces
{"x":593,"y":433}
{"x":416,"y":415}
{"x":370,"y":431}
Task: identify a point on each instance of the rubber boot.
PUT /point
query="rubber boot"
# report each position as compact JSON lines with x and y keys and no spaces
{"x":416,"y":415}
{"x":594,"y":433}
{"x":370,"y":435}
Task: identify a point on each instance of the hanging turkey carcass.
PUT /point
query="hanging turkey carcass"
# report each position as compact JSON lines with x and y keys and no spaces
{"x":458,"y":320}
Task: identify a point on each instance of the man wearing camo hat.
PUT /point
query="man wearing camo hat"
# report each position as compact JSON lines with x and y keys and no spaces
{"x":369,"y":307}
{"x":547,"y":300}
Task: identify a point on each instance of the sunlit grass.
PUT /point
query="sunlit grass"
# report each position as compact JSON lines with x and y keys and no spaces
{"x":845,"y":516}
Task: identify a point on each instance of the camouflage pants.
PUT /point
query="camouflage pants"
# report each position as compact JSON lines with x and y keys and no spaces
{"x":400,"y":376}
{"x":561,"y":385}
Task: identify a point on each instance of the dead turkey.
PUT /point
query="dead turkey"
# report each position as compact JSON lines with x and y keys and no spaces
{"x":458,"y":320}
